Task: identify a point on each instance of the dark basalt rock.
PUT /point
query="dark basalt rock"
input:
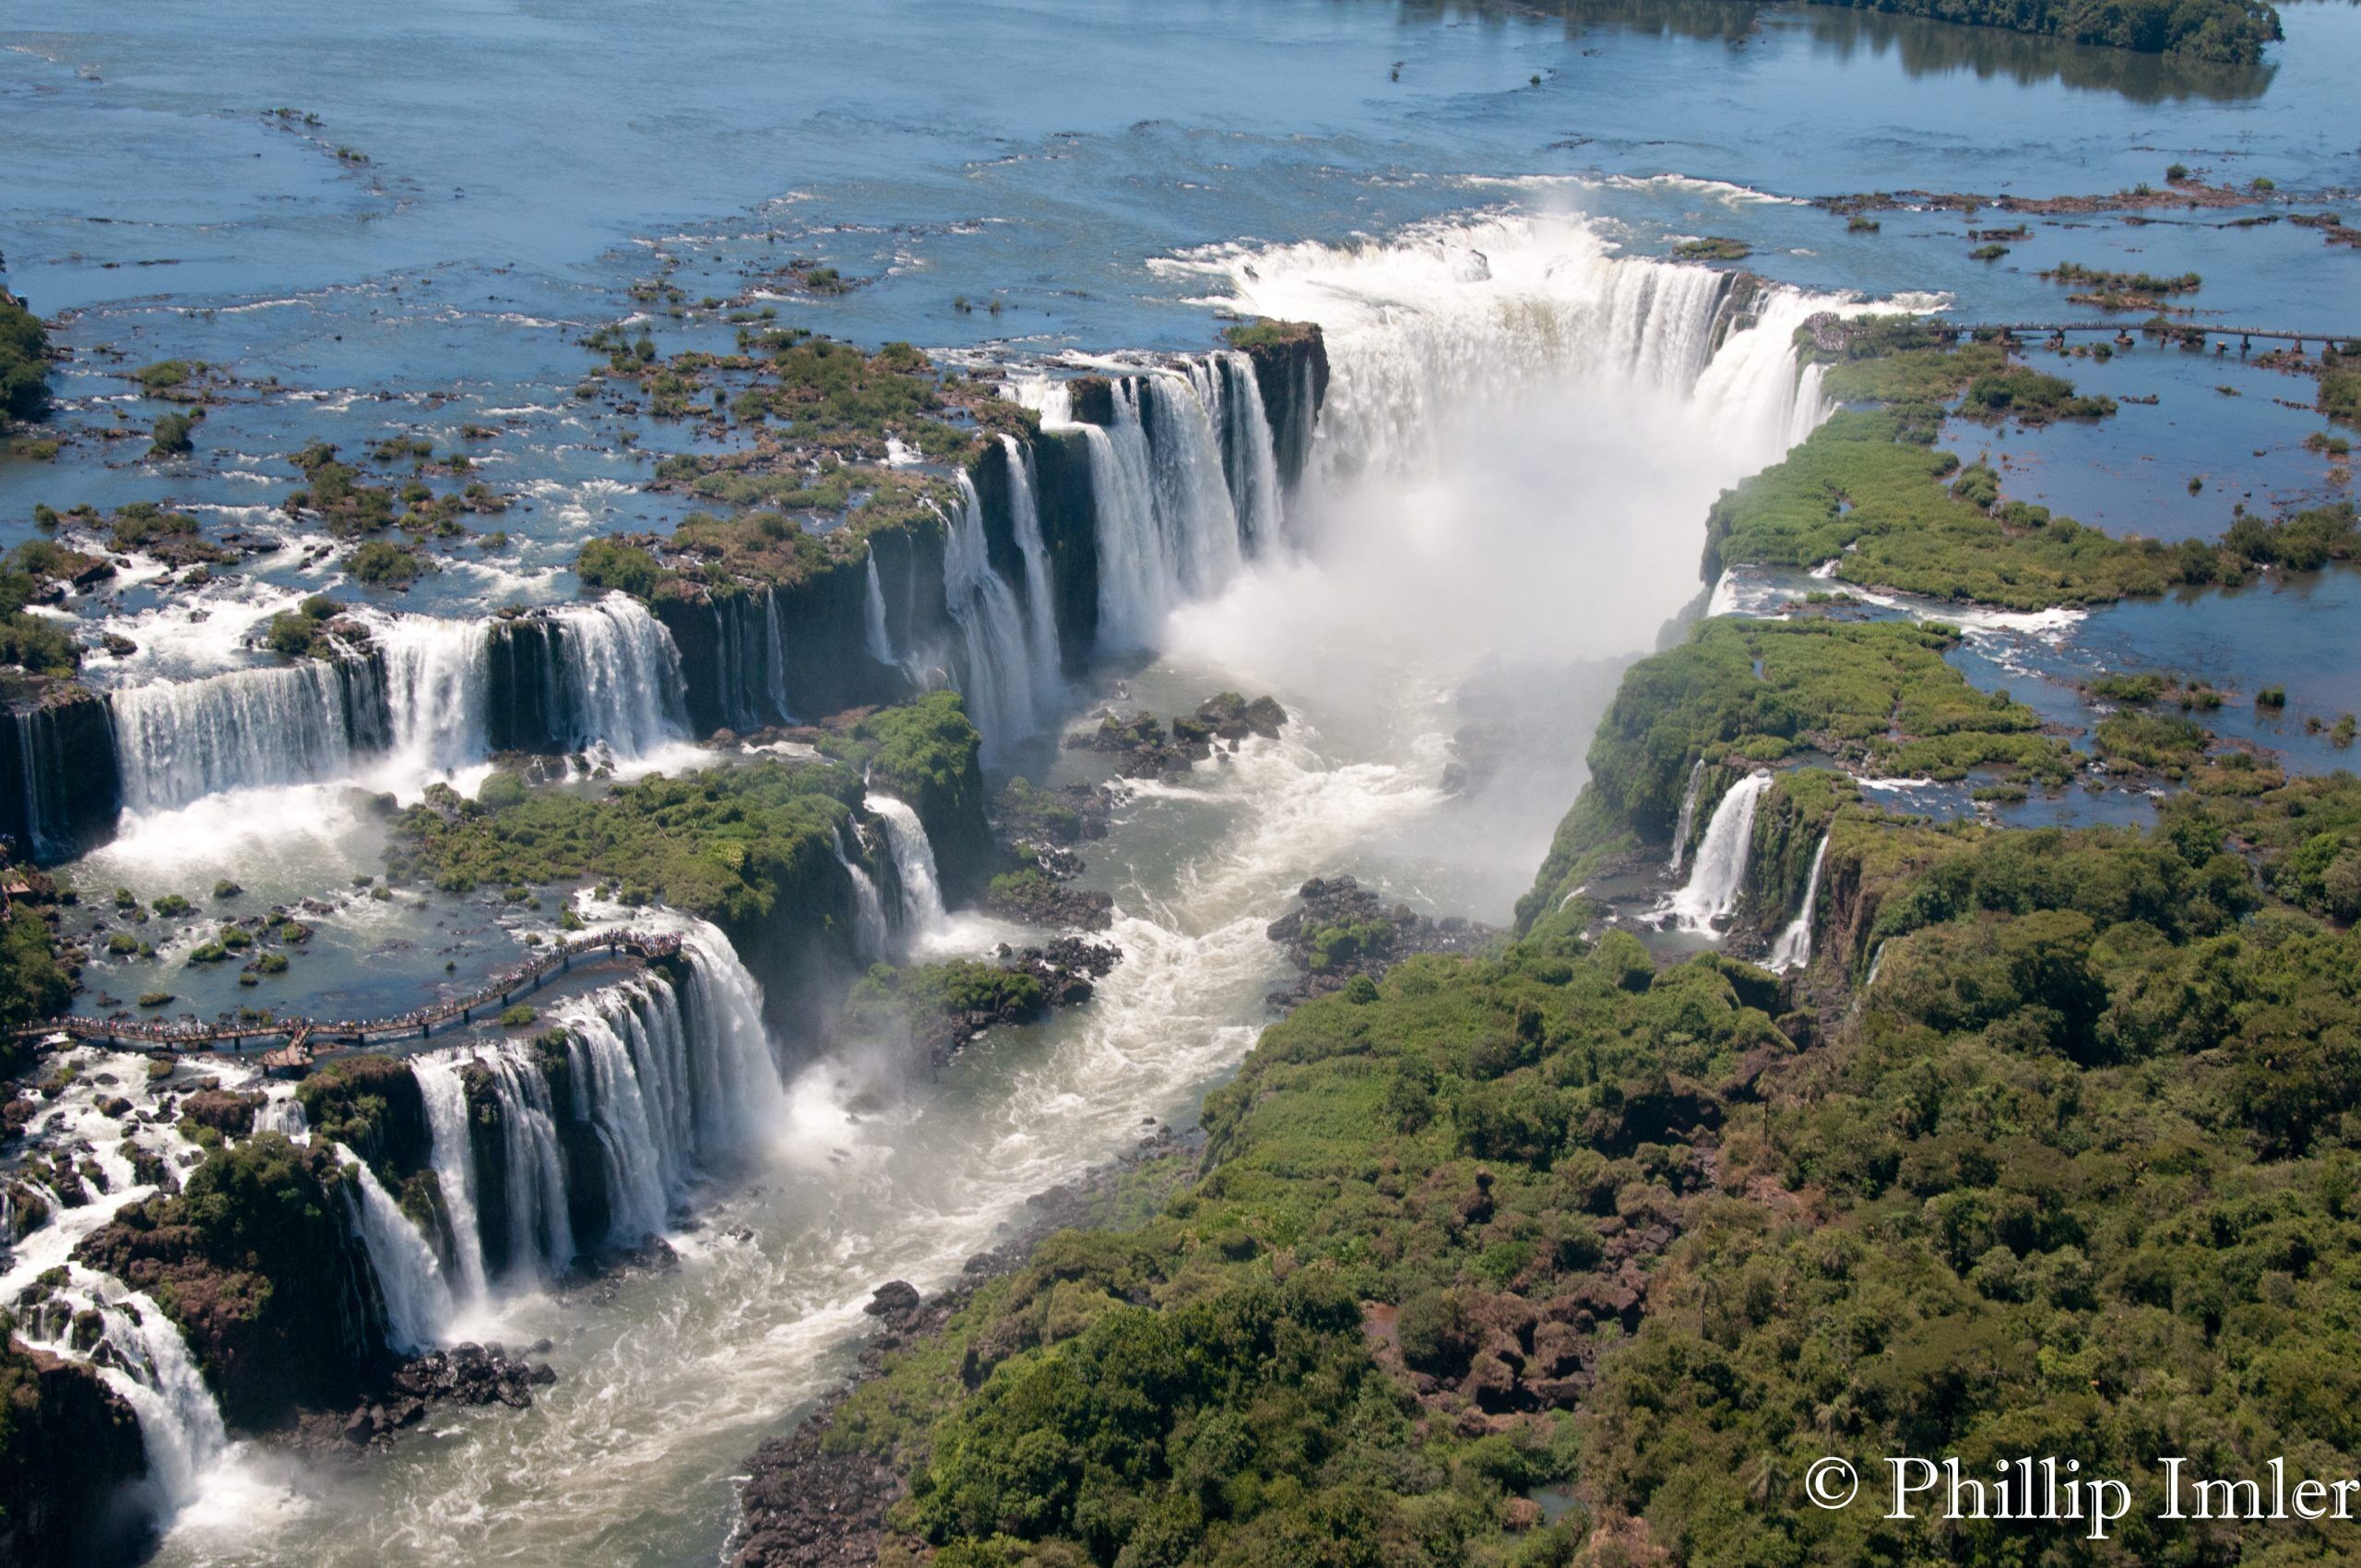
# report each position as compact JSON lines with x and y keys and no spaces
{"x":1142,"y":749}
{"x":1290,"y":362}
{"x":69,"y":1448}
{"x":268,"y":1285}
{"x":467,"y":1374}
{"x":1039,"y":900}
{"x":1342,"y":930}
{"x":60,"y":787}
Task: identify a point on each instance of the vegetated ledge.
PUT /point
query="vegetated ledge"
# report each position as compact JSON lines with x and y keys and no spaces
{"x":1869,"y":491}
{"x":1876,"y":696}
{"x":69,"y":1450}
{"x":1551,"y":1255}
{"x":750,"y":845}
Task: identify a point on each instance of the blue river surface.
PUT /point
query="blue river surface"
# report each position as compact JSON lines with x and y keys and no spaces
{"x":403,"y":221}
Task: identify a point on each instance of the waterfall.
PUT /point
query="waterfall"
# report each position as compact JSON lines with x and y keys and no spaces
{"x":619,"y":677}
{"x":1132,"y":582}
{"x":998,"y":677}
{"x":880,"y":640}
{"x":872,"y":939}
{"x":637,"y":1203}
{"x":666,"y":1076}
{"x":539,"y":1222}
{"x":180,"y":740}
{"x":1165,"y":492}
{"x":740,"y":1098}
{"x":1458,"y":317}
{"x":437,"y":686}
{"x":1688,"y":816}
{"x":1041,"y":599}
{"x":913,"y":863}
{"x":51,"y":820}
{"x":1877,"y":961}
{"x":1714,"y":886}
{"x":1225,"y":385}
{"x":142,"y":1357}
{"x":774,"y":657}
{"x":418,"y":1300}
{"x":453,"y":1160}
{"x":1793,"y":950}
{"x":416,"y":707}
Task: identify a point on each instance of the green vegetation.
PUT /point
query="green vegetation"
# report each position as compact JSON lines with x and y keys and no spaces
{"x":33,"y":985}
{"x":609,"y":563}
{"x":30,"y":642}
{"x":1714,"y":247}
{"x":382,"y":564}
{"x":888,"y":1001}
{"x":1741,"y":694}
{"x":302,"y":633}
{"x":2340,"y":395}
{"x":2106,"y":283}
{"x":2030,"y":398}
{"x":1264,"y":332}
{"x":719,"y":844}
{"x":1869,"y":491}
{"x":165,"y":376}
{"x":24,"y":361}
{"x":521,"y":1016}
{"x":2228,"y":31}
{"x":2074,"y":1176}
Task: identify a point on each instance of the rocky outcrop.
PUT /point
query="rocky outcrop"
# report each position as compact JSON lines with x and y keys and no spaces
{"x":468,"y":1374}
{"x":1341,"y":930}
{"x":257,"y":1263}
{"x":60,"y":788}
{"x":1291,"y":371}
{"x":1144,"y":749}
{"x":69,"y":1448}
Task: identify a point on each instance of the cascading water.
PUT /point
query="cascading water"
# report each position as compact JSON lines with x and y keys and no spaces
{"x":663,"y":1082}
{"x":872,"y":939}
{"x":1181,"y":481}
{"x":913,"y":862}
{"x":179,"y":740}
{"x":413,"y":707}
{"x":1040,"y":603}
{"x":1459,"y":316}
{"x":997,"y":676}
{"x":1688,"y":822}
{"x":453,"y":1157}
{"x":437,"y":683}
{"x":619,"y":676}
{"x":1714,"y":886}
{"x":417,"y":1300}
{"x":141,"y":1355}
{"x":874,"y":629}
{"x":1225,"y":385}
{"x":540,"y":1227}
{"x":1793,"y":950}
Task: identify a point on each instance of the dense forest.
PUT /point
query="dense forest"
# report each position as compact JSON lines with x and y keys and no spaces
{"x":2229,"y":32}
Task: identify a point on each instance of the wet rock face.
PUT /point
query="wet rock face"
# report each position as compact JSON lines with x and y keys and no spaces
{"x":68,"y":1448}
{"x":467,"y":1374}
{"x":60,"y":786}
{"x":1341,"y":930}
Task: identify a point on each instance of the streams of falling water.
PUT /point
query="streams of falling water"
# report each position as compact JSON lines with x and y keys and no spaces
{"x":667,"y":1380}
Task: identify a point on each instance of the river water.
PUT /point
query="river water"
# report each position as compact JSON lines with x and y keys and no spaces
{"x":1527,"y":426}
